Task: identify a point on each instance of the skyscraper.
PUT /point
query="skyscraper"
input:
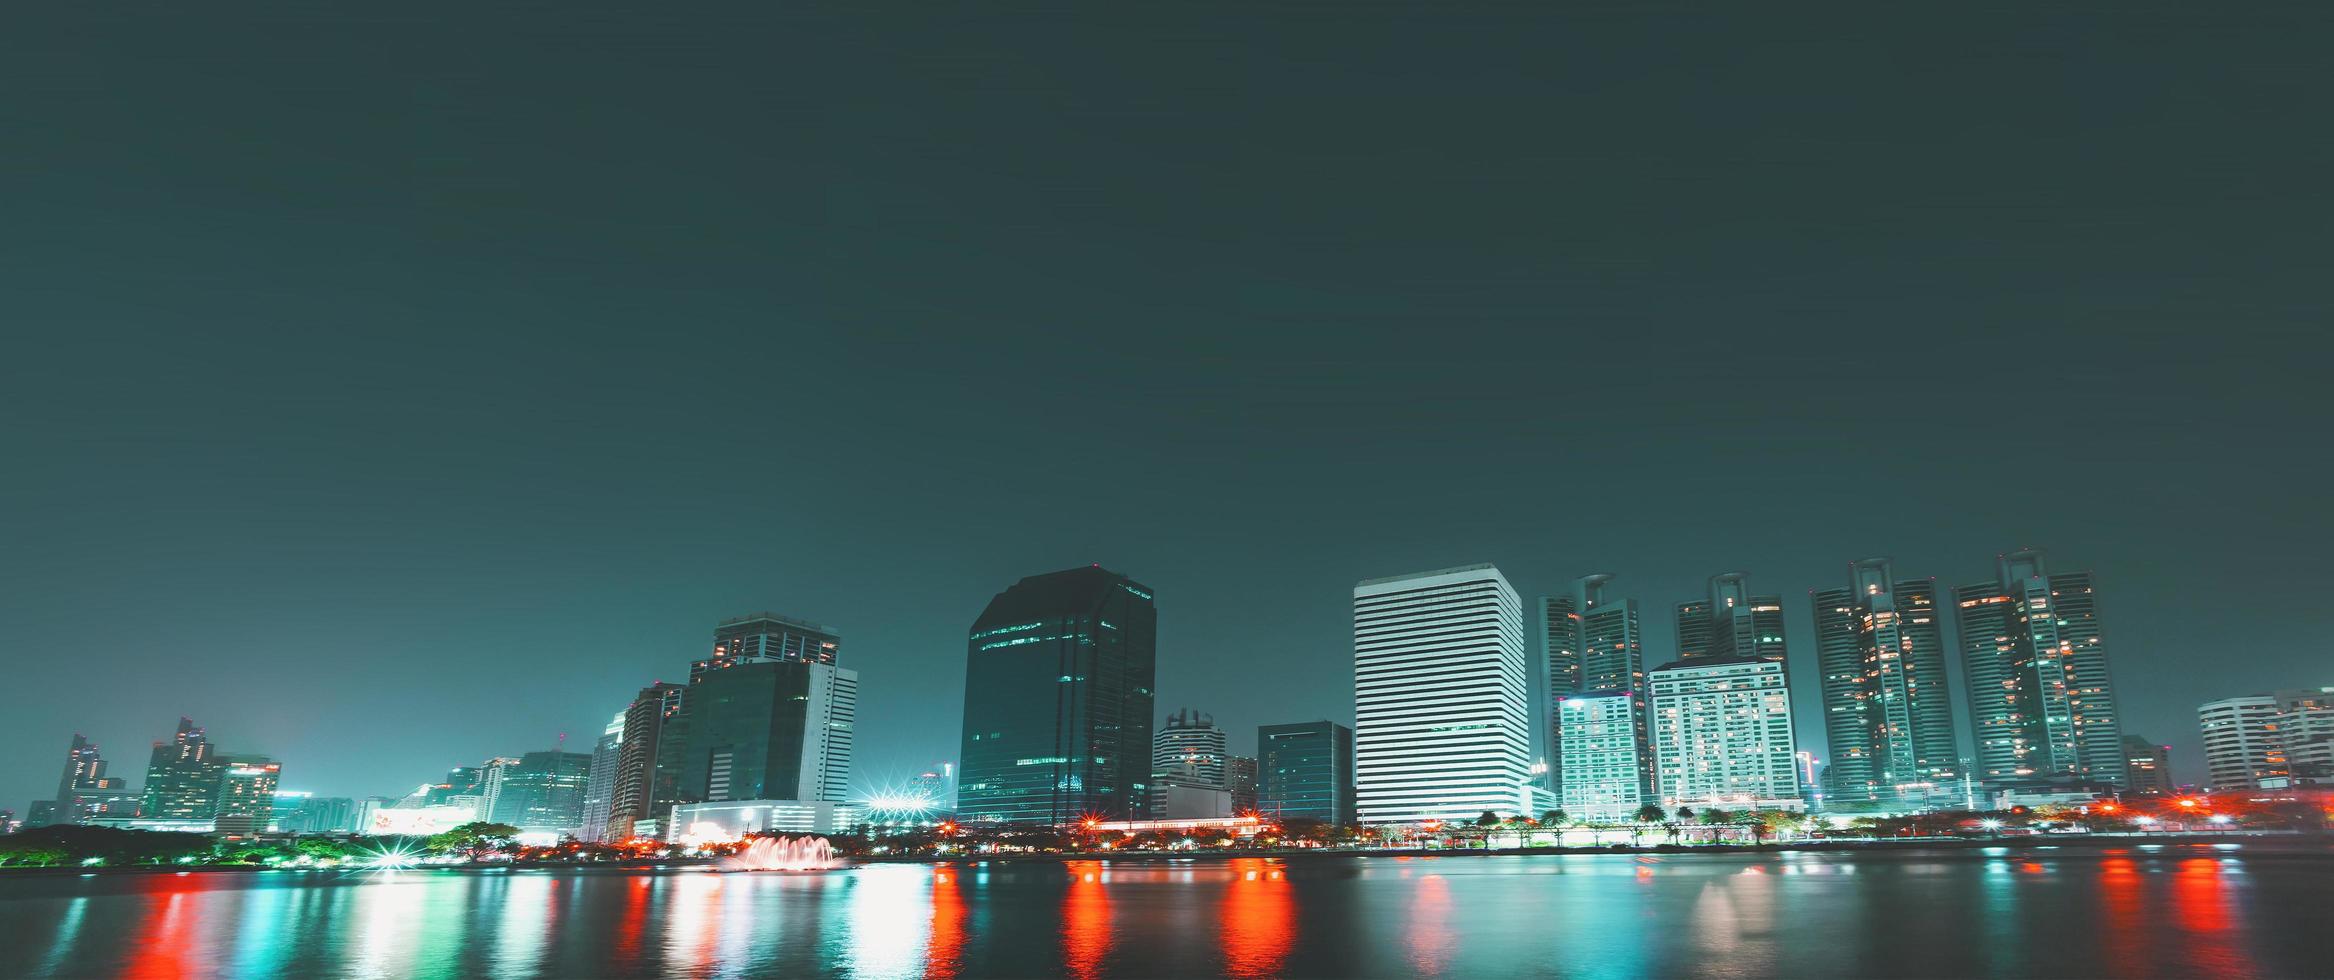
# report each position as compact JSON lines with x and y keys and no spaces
{"x":1305,"y":770}
{"x":600,"y":784}
{"x":652,"y":748}
{"x":767,"y":636}
{"x":2039,"y":693}
{"x":1060,"y":671}
{"x":1604,"y":774}
{"x":544,"y":792}
{"x":1240,"y":781}
{"x":83,"y":767}
{"x":1191,"y":747}
{"x":1440,"y":696}
{"x":182,"y":779}
{"x":770,"y":730}
{"x":1722,"y":733}
{"x":2305,"y":723}
{"x":1881,"y":646}
{"x":1731,"y":622}
{"x":1607,"y":655}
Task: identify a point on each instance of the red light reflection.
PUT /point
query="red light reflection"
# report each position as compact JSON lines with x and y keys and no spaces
{"x":1085,"y":920}
{"x":945,"y":956}
{"x":1258,"y":917}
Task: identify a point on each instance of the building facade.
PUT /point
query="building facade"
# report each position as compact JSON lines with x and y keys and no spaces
{"x":1060,"y":674}
{"x":1887,"y":714}
{"x":1604,"y":773}
{"x":1722,"y":734}
{"x":1191,"y":747}
{"x":1305,"y":770}
{"x":600,"y":783}
{"x":544,"y":792}
{"x":770,"y":730}
{"x":652,"y":730}
{"x":1441,"y":697}
{"x":2036,"y":662}
{"x":247,"y":795}
{"x":2147,"y":765}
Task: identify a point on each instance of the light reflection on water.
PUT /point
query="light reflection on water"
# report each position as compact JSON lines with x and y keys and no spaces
{"x":2122,"y":911}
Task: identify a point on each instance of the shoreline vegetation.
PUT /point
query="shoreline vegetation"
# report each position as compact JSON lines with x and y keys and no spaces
{"x":2280,"y":844}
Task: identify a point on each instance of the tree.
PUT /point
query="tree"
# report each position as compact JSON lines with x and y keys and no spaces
{"x":1488,"y":820}
{"x":1650,"y":813}
{"x":1685,"y":814}
{"x":475,"y":838}
{"x":1555,"y":818}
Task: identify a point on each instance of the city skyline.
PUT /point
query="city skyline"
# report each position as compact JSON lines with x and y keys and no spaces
{"x":1805,"y":701}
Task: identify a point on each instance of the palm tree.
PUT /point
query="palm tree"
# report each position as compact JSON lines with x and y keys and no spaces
{"x":1651,"y":813}
{"x":1685,"y":813}
{"x":1555,"y":818}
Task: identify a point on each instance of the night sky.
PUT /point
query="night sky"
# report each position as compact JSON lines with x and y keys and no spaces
{"x":387,"y":388}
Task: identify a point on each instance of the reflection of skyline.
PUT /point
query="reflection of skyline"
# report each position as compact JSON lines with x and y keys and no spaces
{"x":2113,"y":912}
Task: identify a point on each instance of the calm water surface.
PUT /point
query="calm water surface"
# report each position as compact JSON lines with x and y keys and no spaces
{"x":2079,"y":911}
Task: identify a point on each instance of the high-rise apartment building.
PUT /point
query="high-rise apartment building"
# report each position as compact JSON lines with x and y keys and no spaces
{"x":648,"y":770}
{"x":1604,"y":772}
{"x":1441,"y":697}
{"x":600,"y":783}
{"x":2039,"y":692}
{"x":1722,"y":734}
{"x":770,"y":730}
{"x":2269,"y":741}
{"x":1060,"y":671}
{"x":767,"y":636}
{"x":182,"y":778}
{"x":246,"y":795}
{"x":544,"y":792}
{"x":2305,"y":722}
{"x":1881,"y":645}
{"x":2242,"y":749}
{"x":491,"y":776}
{"x":1305,"y":770}
{"x":1189,"y":747}
{"x":1731,"y":622}
{"x":2147,"y":765}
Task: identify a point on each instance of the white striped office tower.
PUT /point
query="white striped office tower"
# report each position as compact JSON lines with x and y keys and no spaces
{"x":1440,"y":697}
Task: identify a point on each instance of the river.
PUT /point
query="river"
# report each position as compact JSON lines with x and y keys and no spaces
{"x":2229,"y":910}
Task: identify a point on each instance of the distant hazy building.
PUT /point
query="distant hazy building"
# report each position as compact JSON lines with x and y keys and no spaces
{"x":730,"y":819}
{"x":305,"y":813}
{"x":767,"y":636}
{"x":652,"y":735}
{"x":1305,"y":769}
{"x":182,"y":779}
{"x":600,"y":783}
{"x":2039,"y":693}
{"x":1722,"y":734}
{"x":1731,"y":622}
{"x":1887,"y":715}
{"x":1440,"y":696}
{"x":1191,"y":747}
{"x":491,"y":776}
{"x":1240,"y":781}
{"x":544,"y":792}
{"x":771,"y":730}
{"x":1060,"y":673}
{"x":2148,"y":765}
{"x":247,"y":795}
{"x":1604,"y":777}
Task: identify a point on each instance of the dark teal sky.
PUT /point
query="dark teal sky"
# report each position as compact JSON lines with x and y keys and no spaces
{"x":387,"y":388}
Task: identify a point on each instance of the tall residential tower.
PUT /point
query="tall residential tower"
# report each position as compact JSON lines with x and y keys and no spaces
{"x":2039,"y":693}
{"x":1881,"y":646}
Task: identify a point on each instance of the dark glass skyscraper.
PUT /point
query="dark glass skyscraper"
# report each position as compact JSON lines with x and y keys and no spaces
{"x":2039,"y":693}
{"x":1306,"y":770}
{"x":652,"y":735}
{"x":1059,"y":678}
{"x":770,"y":730}
{"x":182,"y":779}
{"x":1881,"y":646}
{"x":544,"y":792}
